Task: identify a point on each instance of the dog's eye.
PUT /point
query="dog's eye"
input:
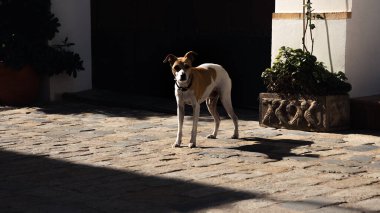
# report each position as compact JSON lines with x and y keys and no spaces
{"x":177,"y":68}
{"x":186,"y":66}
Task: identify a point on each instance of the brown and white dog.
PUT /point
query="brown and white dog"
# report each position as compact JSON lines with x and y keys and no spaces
{"x":194,"y":85}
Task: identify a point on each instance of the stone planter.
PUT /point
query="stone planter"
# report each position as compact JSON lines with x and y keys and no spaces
{"x":321,"y":113}
{"x":18,"y":87}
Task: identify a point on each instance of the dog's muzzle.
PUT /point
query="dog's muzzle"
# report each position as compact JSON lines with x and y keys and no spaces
{"x":182,"y":77}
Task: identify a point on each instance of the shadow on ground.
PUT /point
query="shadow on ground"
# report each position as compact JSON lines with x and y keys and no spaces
{"x":70,"y":108}
{"x":275,"y":149}
{"x":115,"y":104}
{"x":32,"y":183}
{"x":39,"y":184}
{"x":141,"y":112}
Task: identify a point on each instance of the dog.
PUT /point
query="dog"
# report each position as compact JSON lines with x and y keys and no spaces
{"x":194,"y":85}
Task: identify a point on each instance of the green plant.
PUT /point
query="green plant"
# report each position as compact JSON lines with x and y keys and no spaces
{"x":295,"y":71}
{"x":26,"y":27}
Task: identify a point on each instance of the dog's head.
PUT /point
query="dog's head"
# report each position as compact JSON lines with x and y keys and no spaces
{"x":181,"y":66}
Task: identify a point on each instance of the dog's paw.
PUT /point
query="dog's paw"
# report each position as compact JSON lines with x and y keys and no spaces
{"x":211,"y":136}
{"x":192,"y":145}
{"x":235,"y":136}
{"x":176,"y":145}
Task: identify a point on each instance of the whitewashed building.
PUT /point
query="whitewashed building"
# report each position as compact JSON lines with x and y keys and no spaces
{"x":347,"y":40}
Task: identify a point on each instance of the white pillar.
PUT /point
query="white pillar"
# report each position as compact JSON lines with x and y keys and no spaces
{"x":75,"y":19}
{"x":363,"y":48}
{"x":346,"y":41}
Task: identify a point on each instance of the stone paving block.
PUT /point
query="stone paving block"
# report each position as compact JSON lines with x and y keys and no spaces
{"x":351,"y":182}
{"x":329,"y":168}
{"x":363,"y":159}
{"x":297,"y":133}
{"x":255,"y":160}
{"x":275,"y":208}
{"x":285,"y":174}
{"x":342,"y":162}
{"x":263,"y":132}
{"x":252,"y":205}
{"x":166,"y":170}
{"x":361,"y":139}
{"x":369,"y":205}
{"x":324,"y":201}
{"x":143,"y":138}
{"x":295,"y":138}
{"x":375,"y":175}
{"x":143,"y":126}
{"x":330,"y":141}
{"x":302,"y":192}
{"x":296,"y":162}
{"x":239,"y":176}
{"x":220,"y":153}
{"x":302,"y":205}
{"x":209,"y":174}
{"x":374,"y":165}
{"x":358,"y":193}
{"x":301,"y":158}
{"x":363,"y":148}
{"x":299,"y":182}
{"x":332,"y":152}
{"x":205,"y":162}
{"x":335,"y":209}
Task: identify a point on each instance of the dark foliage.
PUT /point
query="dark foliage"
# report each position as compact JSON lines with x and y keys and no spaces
{"x":26,"y":27}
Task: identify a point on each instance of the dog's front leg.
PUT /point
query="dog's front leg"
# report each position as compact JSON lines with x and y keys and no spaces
{"x":196,"y":109}
{"x":180,"y":115}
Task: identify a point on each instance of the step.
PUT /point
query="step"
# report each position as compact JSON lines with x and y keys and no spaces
{"x":365,"y":112}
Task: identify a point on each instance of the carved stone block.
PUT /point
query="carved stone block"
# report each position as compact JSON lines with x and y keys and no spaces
{"x":309,"y":113}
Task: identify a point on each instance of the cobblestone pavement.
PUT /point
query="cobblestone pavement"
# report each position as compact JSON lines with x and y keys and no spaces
{"x":82,"y":158}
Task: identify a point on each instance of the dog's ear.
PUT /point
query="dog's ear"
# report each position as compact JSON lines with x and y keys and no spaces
{"x":191,"y":55}
{"x":170,"y":58}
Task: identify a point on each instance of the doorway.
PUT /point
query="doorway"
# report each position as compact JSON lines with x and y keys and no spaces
{"x":131,"y":39}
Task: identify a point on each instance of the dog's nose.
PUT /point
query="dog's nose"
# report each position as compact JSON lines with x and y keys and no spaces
{"x":183,"y":77}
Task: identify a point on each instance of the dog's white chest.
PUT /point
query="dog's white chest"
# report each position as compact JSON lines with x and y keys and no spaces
{"x":190,"y":98}
{"x":186,"y":97}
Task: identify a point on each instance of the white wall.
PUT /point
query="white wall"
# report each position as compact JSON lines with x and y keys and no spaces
{"x":363,"y":48}
{"x":75,"y":19}
{"x":330,"y":43}
{"x":329,"y":35}
{"x":320,"y":6}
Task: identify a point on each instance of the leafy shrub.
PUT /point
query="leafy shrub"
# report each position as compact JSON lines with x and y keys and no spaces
{"x":296,"y":71}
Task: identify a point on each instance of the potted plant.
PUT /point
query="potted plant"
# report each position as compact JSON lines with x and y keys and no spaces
{"x":303,"y":94}
{"x":26,"y":28}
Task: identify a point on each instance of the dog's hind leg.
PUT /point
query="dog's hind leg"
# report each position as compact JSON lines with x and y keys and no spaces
{"x":212,"y":108}
{"x":225,"y":98}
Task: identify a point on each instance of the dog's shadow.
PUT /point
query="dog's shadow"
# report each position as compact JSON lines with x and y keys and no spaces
{"x":276,"y":149}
